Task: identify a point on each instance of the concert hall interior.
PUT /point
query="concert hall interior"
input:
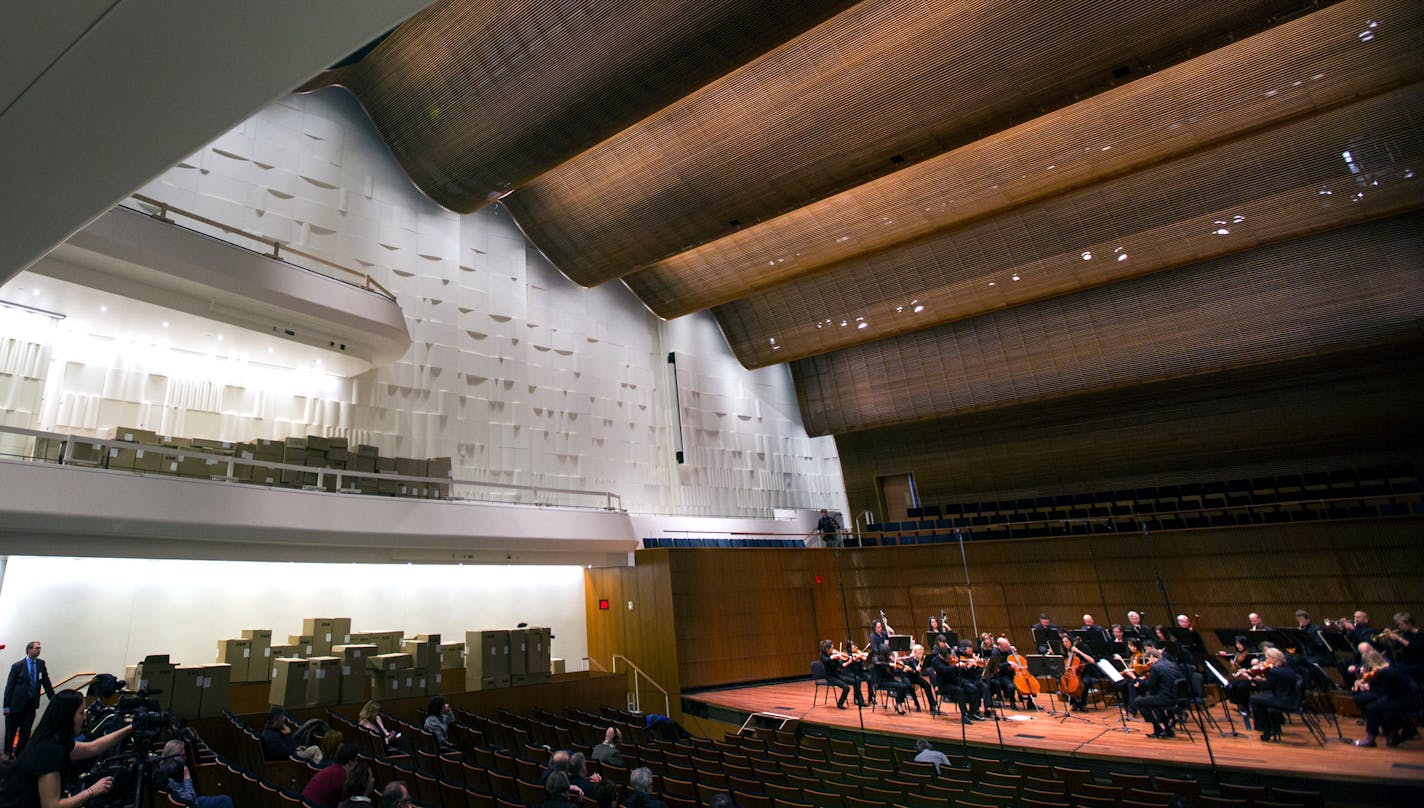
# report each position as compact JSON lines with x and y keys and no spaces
{"x":591,"y":361}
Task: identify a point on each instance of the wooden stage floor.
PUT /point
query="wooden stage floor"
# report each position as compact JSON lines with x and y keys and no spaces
{"x":1100,"y":740}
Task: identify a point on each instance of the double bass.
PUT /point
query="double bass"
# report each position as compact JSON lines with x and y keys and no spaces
{"x":1024,"y":682}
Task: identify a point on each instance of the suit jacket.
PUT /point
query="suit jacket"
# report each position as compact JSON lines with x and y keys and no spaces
{"x":19,"y":690}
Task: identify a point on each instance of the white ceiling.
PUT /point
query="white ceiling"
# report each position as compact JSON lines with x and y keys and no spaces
{"x":99,"y":96}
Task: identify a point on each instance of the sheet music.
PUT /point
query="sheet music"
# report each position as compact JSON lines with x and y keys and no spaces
{"x":1107,"y":668}
{"x":1219,"y":678}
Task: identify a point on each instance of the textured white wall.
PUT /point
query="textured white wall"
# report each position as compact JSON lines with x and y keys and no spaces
{"x":518,"y":374}
{"x":100,"y":614}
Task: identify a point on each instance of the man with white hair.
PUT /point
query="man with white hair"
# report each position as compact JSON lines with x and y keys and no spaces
{"x":640,"y":782}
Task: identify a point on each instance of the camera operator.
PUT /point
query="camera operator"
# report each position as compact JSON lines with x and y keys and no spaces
{"x":40,"y":771}
{"x":172,"y":774}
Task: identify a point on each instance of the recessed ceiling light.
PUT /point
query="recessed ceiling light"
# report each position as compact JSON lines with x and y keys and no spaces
{"x":103,"y":308}
{"x":165,"y":323}
{"x":35,"y":292}
{"x":219,"y":337}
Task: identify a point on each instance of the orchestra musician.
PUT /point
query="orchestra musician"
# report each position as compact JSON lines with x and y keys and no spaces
{"x":879,"y":640}
{"x":1116,"y":633}
{"x":1134,"y":674}
{"x":917,"y":674}
{"x":1385,"y":697}
{"x":1315,"y":649}
{"x":837,"y":675}
{"x":1000,"y":673}
{"x":937,"y":628}
{"x":1276,"y":685}
{"x":1158,"y":692}
{"x":1240,"y":658}
{"x":857,"y":670}
{"x":1193,"y":648}
{"x":1405,"y":646}
{"x":1256,"y":623}
{"x":884,"y":676}
{"x":1093,"y":629}
{"x":986,"y":645}
{"x":949,"y":679}
{"x":1088,"y":672}
{"x":1135,"y":627}
{"x":971,"y":667}
{"x":1045,"y":624}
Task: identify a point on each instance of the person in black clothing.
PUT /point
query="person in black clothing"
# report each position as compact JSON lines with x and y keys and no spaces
{"x":277,"y":742}
{"x":1000,"y":674}
{"x":971,"y":678}
{"x":1385,"y":696}
{"x":917,"y":673}
{"x":1135,"y":628}
{"x":832,"y":662}
{"x":1275,"y":690}
{"x":884,"y":677}
{"x":950,"y":683}
{"x":879,"y":640}
{"x":640,"y":783}
{"x":561,"y":793}
{"x":1314,"y":651}
{"x":1406,"y":647}
{"x":1088,"y":671}
{"x":27,"y":678}
{"x":830,"y":529}
{"x":38,"y":774}
{"x":1158,"y":692}
{"x":1044,"y":624}
{"x":1092,"y":630}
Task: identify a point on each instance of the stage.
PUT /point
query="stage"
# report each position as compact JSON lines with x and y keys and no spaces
{"x":1338,"y":769}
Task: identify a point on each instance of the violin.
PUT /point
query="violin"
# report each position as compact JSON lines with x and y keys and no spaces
{"x":1024,"y":682}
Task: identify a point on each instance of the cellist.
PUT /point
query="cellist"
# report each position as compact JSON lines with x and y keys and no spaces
{"x":1000,"y":673}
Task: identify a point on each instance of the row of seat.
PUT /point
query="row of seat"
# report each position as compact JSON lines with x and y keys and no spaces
{"x":650,"y":543}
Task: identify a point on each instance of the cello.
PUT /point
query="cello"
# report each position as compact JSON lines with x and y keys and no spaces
{"x":1072,"y":681}
{"x":1025,"y":683}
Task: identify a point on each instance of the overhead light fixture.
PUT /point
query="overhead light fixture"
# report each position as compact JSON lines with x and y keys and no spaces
{"x":53,"y":315}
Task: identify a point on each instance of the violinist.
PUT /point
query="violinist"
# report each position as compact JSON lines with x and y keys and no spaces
{"x":917,"y":673}
{"x":1386,"y":697}
{"x":949,"y":679}
{"x":971,"y":667}
{"x":1118,"y":634}
{"x":986,"y":645}
{"x":884,"y":675}
{"x":1276,"y":685}
{"x":832,"y":661}
{"x":1158,"y":693}
{"x":1240,"y":659}
{"x":1189,"y":650}
{"x":1135,"y":670}
{"x":856,"y":670}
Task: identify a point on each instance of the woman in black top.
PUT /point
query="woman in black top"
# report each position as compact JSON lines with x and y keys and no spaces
{"x":37,"y":777}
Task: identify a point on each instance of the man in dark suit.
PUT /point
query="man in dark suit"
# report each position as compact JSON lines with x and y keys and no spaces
{"x":22,"y":697}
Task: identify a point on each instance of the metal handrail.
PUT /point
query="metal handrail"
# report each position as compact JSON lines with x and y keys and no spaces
{"x":367,"y":282}
{"x":593,"y":662}
{"x":68,"y":442}
{"x":637,"y":692}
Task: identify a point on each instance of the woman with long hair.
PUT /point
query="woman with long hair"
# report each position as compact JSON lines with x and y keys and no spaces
{"x":36,"y":779}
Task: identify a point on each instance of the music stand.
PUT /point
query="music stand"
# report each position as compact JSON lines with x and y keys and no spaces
{"x":1046,"y":638}
{"x":1336,"y":641}
{"x":900,"y":643}
{"x":1043,"y":666}
{"x":1224,"y":683}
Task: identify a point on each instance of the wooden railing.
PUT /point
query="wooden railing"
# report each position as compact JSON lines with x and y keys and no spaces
{"x":277,"y":248}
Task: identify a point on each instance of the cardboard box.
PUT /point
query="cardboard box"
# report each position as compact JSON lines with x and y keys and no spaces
{"x":304,"y":644}
{"x":539,"y":678}
{"x":353,"y":671}
{"x":270,"y":451}
{"x":487,"y":682}
{"x":518,"y":648}
{"x":283,"y":650}
{"x":135,"y":435}
{"x":388,"y":662}
{"x":434,"y":681}
{"x":423,"y":653}
{"x":386,"y":642}
{"x":443,"y":468}
{"x":324,"y":681}
{"x":290,"y":682}
{"x":486,"y":656}
{"x":557,"y":665}
{"x":386,"y":684}
{"x":187,"y":694}
{"x":85,"y":452}
{"x":215,"y":686}
{"x":238,"y":655}
{"x":452,"y":655}
{"x":537,"y":651}
{"x":319,"y":630}
{"x":340,"y":630}
{"x":155,"y":672}
{"x":518,"y":679}
{"x":261,"y":640}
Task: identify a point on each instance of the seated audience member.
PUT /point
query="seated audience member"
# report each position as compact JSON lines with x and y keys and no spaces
{"x":438,"y":718}
{"x":277,"y":743}
{"x":559,"y":793}
{"x":360,"y":782}
{"x":395,"y":795}
{"x":325,"y":787}
{"x":605,"y":795}
{"x":329,"y":743}
{"x":578,"y":774}
{"x":924,"y":753}
{"x":172,"y":774}
{"x":558,"y":762}
{"x":370,"y":720}
{"x":607,"y":752}
{"x":38,"y":773}
{"x":640,"y":783}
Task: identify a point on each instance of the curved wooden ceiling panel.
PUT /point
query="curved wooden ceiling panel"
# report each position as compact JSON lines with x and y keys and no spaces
{"x":1324,"y":293}
{"x":884,"y":83}
{"x":475,"y":97}
{"x":1301,"y":67}
{"x":1242,"y":194}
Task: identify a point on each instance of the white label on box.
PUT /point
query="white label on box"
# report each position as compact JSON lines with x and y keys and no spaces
{"x":345,"y":670}
{"x":143,"y":684}
{"x":267,"y":651}
{"x":346,"y":641}
{"x":321,"y":673}
{"x":138,"y":453}
{"x":246,"y":652}
{"x":113,"y":453}
{"x":205,"y":681}
{"x":437,"y":678}
{"x":328,"y":636}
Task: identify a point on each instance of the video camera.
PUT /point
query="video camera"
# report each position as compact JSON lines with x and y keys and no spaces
{"x":139,"y":754}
